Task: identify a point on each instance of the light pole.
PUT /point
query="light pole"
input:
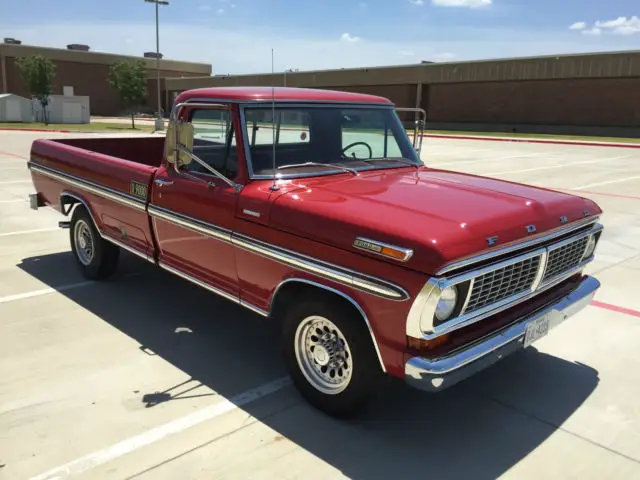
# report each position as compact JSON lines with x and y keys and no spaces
{"x":159,"y":120}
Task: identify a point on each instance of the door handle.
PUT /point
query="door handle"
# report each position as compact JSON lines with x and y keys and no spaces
{"x":160,"y":182}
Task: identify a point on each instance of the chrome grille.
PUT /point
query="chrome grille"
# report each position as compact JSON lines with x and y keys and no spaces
{"x":564,"y":258}
{"x":502,"y":283}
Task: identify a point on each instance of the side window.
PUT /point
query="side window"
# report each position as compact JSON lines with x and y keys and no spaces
{"x":368,"y":127}
{"x":214,"y":141}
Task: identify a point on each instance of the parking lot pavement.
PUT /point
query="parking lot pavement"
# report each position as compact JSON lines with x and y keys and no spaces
{"x":146,"y":376}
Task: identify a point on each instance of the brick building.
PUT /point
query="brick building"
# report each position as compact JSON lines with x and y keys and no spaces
{"x":595,"y":93}
{"x":86,"y":71}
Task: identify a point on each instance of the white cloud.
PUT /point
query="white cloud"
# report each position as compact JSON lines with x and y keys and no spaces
{"x":406,"y":53}
{"x":592,"y":31}
{"x":204,"y":8}
{"x":220,"y":11}
{"x":362,"y":4}
{"x":417,"y":2}
{"x":618,"y":26}
{"x":347,"y":37}
{"x":621,"y":25}
{"x":462,"y":3}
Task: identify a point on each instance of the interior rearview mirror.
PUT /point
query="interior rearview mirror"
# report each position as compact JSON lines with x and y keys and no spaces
{"x":179,"y":135}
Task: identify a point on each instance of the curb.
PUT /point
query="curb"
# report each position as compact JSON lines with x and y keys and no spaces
{"x":583,"y":143}
{"x":4,"y":129}
{"x":44,"y":130}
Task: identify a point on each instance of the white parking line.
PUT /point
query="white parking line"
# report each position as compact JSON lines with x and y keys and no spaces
{"x":15,"y":181}
{"x":61,"y":288}
{"x":606,"y":182}
{"x":44,"y":291}
{"x":13,"y":201}
{"x":155,"y":434}
{"x":550,"y":167}
{"x":484,"y":160}
{"x":24,"y":232}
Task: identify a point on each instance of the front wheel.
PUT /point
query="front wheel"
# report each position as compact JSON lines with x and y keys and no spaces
{"x":96,"y":257}
{"x":330,"y":356}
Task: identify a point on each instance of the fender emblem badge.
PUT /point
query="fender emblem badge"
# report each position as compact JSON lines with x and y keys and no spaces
{"x":531,"y":228}
{"x":492,"y":240}
{"x":563,"y":219}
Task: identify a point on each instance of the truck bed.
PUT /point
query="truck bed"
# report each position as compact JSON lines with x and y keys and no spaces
{"x":112,"y":176}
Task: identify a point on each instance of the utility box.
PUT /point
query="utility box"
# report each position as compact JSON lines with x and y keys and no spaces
{"x":64,"y":109}
{"x":14,"y":108}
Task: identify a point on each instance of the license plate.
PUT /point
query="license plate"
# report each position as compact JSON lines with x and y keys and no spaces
{"x":536,"y":330}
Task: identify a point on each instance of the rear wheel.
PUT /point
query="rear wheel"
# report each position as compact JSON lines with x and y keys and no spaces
{"x":96,"y":257}
{"x":330,"y":356}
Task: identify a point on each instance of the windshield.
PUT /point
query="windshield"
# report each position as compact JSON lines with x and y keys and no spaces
{"x":323,"y":139}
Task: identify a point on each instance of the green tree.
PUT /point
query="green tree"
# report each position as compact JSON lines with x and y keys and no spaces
{"x":38,"y":73}
{"x":129,"y":80}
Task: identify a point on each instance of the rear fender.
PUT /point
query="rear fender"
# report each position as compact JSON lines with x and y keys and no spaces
{"x":69,"y":202}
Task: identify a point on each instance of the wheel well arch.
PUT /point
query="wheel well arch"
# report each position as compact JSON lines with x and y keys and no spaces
{"x":291,"y":287}
{"x":73,"y":201}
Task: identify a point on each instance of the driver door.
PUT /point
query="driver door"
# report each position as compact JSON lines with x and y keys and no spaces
{"x":193,"y":212}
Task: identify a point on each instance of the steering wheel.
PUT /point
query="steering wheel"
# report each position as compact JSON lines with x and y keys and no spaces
{"x":357,"y":143}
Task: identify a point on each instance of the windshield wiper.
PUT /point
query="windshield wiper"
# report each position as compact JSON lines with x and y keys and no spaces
{"x":333,"y":165}
{"x":406,"y":161}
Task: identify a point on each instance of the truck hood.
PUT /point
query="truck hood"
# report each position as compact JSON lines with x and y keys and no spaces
{"x":443,"y":216}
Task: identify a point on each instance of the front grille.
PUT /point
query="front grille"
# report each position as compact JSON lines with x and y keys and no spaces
{"x":564,"y":258}
{"x":503,"y":283}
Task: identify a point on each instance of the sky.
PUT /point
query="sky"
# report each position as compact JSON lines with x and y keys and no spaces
{"x":237,"y":36}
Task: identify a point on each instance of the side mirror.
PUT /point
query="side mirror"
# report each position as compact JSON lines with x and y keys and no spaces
{"x":179,"y":136}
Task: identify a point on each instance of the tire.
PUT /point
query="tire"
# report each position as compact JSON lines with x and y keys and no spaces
{"x":305,"y":353}
{"x":96,"y":257}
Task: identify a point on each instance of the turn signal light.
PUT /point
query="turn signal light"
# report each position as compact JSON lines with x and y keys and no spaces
{"x":422,"y":344}
{"x":394,"y":253}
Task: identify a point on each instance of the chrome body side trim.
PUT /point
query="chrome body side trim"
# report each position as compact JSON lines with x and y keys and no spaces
{"x":435,"y":374}
{"x":213,"y":289}
{"x":513,"y":248}
{"x":420,"y":320}
{"x":128,"y":248}
{"x":191,"y":223}
{"x":312,"y":265}
{"x":296,"y":260}
{"x":341,"y":294}
{"x":101,"y":191}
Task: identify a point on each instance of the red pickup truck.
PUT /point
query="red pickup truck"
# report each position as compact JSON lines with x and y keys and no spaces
{"x":314,"y":208}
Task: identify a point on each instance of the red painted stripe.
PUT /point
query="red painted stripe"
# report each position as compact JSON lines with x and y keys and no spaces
{"x":34,"y":130}
{"x":604,"y":194}
{"x":536,"y":140}
{"x":9,"y":154}
{"x":615,"y":308}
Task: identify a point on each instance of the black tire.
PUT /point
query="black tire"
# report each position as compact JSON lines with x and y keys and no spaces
{"x":102,"y":262}
{"x":366,"y":373}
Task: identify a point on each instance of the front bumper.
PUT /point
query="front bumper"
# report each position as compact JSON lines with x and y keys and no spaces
{"x":437,"y":374}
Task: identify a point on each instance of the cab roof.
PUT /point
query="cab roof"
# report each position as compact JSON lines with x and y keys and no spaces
{"x":286,"y":94}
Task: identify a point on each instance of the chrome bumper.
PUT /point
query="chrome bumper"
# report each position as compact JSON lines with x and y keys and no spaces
{"x":438,"y":374}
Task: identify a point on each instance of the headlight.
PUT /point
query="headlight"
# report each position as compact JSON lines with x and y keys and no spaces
{"x":590,"y":248}
{"x":447,"y":303}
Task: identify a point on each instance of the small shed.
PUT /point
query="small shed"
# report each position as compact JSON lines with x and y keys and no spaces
{"x":14,"y":108}
{"x":64,"y":109}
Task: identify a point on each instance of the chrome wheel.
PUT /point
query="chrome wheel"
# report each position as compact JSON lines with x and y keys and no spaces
{"x":83,"y":240}
{"x":323,"y":354}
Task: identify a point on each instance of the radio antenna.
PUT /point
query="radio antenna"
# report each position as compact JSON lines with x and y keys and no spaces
{"x":273,"y":187}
